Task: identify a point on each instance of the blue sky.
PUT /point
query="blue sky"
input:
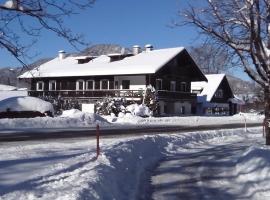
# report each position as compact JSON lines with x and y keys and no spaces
{"x":123,"y":22}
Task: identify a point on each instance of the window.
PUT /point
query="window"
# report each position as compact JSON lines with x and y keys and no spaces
{"x":183,"y":86}
{"x":158,"y":84}
{"x":172,"y":85}
{"x":104,"y":84}
{"x":90,"y":85}
{"x":125,"y":84}
{"x":80,"y":85}
{"x":219,"y":93}
{"x":196,"y":91}
{"x":40,"y":86}
{"x":52,"y":85}
{"x":116,"y":85}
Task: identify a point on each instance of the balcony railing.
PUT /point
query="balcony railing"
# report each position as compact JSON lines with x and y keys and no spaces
{"x":161,"y":94}
{"x":88,"y":93}
{"x":165,"y":94}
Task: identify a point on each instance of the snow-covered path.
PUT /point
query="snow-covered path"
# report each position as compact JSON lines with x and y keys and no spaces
{"x":207,"y":171}
{"x":67,"y":168}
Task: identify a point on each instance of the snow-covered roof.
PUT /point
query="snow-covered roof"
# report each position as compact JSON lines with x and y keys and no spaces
{"x":143,"y":63}
{"x":208,"y":88}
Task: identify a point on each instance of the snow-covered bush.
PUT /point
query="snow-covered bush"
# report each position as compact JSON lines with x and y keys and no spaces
{"x":150,"y":99}
{"x":110,"y":105}
{"x":139,"y":110}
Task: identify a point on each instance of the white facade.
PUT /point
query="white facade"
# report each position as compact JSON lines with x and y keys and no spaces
{"x":136,"y":82}
{"x":89,"y":107}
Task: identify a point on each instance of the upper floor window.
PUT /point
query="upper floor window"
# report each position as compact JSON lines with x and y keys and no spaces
{"x":219,"y":93}
{"x":172,"y":85}
{"x":183,"y":86}
{"x":52,"y":85}
{"x":40,"y":86}
{"x":104,"y":84}
{"x":90,"y":84}
{"x":158,"y":84}
{"x":80,"y":85}
{"x":116,"y":85}
{"x":125,"y":84}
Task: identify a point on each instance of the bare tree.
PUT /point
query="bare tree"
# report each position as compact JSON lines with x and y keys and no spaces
{"x":242,"y":27}
{"x":211,"y":59}
{"x":22,"y":21}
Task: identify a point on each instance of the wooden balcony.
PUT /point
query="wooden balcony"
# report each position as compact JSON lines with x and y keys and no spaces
{"x":175,"y":95}
{"x":88,"y":93}
{"x":98,"y":94}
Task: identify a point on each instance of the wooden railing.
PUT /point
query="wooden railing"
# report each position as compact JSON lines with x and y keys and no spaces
{"x":161,"y":94}
{"x":165,"y":94}
{"x":88,"y":93}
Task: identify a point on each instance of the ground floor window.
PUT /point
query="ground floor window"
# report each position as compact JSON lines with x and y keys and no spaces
{"x":217,"y":111}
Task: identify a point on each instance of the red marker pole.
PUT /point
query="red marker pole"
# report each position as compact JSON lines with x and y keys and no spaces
{"x":98,"y":134}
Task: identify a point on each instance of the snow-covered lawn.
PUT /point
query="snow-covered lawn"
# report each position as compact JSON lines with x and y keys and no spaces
{"x":67,"y":169}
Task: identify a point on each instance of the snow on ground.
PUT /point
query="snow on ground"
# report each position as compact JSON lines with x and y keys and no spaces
{"x":67,"y":169}
{"x":76,"y":119}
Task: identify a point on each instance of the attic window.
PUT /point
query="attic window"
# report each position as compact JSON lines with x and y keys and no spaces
{"x":219,"y":93}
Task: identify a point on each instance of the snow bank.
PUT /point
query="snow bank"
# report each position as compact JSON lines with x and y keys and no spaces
{"x":22,"y":103}
{"x":139,"y":110}
{"x":185,"y":120}
{"x":253,"y":171}
{"x":69,"y":119}
{"x":69,"y":170}
{"x":7,"y":87}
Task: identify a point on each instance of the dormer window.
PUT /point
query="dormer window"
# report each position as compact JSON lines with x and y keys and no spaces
{"x":80,"y":85}
{"x":40,"y":86}
{"x":219,"y":93}
{"x":52,"y":85}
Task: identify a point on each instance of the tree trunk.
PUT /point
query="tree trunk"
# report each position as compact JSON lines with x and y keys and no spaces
{"x":267,"y":113}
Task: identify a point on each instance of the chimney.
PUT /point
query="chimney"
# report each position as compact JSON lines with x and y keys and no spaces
{"x":136,"y":49}
{"x":61,"y":54}
{"x":148,"y":47}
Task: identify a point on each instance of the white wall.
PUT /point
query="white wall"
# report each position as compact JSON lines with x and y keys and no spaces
{"x":89,"y":107}
{"x":136,"y":82}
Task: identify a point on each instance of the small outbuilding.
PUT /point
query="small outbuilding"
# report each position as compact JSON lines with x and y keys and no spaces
{"x":215,"y":97}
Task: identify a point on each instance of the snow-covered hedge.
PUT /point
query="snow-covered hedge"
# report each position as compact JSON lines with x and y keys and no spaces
{"x":25,"y":103}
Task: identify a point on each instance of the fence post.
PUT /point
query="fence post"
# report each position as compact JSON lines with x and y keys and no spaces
{"x":97,"y":136}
